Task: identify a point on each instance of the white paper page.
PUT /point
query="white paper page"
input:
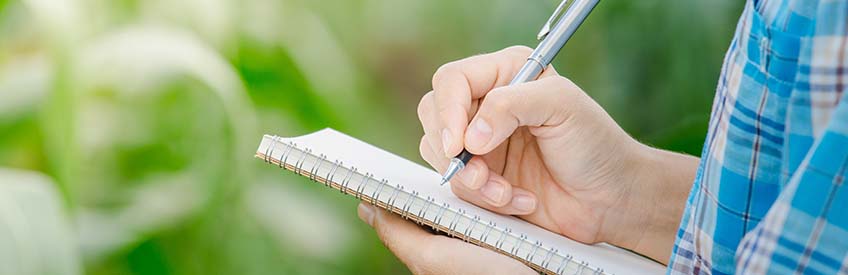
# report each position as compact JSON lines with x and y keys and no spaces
{"x":397,"y":170}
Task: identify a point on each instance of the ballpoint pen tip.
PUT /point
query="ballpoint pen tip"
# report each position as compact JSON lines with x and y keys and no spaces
{"x":444,"y":180}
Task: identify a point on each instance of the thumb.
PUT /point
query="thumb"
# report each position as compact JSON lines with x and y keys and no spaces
{"x":402,"y":237}
{"x":425,"y":253}
{"x":540,"y":103}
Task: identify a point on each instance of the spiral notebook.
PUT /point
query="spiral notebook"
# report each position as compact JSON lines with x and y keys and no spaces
{"x":401,"y":186}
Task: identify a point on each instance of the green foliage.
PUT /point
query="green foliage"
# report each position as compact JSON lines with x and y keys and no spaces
{"x":275,"y":82}
{"x":151,"y":154}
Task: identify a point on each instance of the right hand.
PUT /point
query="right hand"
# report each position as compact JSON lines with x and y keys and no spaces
{"x":546,"y":152}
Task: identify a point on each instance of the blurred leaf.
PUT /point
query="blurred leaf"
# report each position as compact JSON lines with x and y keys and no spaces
{"x":147,"y":259}
{"x":35,"y":235}
{"x":21,"y":146}
{"x":276,"y":83}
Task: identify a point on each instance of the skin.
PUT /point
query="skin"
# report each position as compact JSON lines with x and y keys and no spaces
{"x":545,"y":152}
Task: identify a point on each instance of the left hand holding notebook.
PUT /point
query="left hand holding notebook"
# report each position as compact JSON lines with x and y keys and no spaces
{"x":426,"y":253}
{"x":550,"y":154}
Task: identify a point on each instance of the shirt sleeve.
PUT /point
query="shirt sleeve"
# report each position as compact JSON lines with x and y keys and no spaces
{"x":806,"y":229}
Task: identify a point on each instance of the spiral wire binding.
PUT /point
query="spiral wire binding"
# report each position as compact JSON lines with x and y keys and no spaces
{"x":438,"y":218}
{"x":468,"y":230}
{"x":286,"y":155}
{"x":404,"y":210}
{"x":547,"y":260}
{"x":424,"y":210}
{"x":390,"y":202}
{"x":313,"y":172}
{"x":499,"y":243}
{"x":514,"y":250}
{"x":298,"y":165}
{"x":332,"y":173}
{"x":532,"y":253}
{"x":376,"y":195}
{"x":455,"y":220}
{"x":564,"y":264}
{"x":407,"y":204}
{"x":489,"y":228}
{"x":346,"y":180}
{"x":361,"y":187}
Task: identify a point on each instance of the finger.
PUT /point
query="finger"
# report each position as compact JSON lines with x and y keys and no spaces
{"x":411,"y":244}
{"x":474,"y":175}
{"x":513,"y":201}
{"x":425,"y":253}
{"x":495,"y":192}
{"x":403,"y":238}
{"x":544,"y":102}
{"x":457,"y":83}
{"x":523,"y":202}
{"x":428,"y":153}
{"x":429,"y":121}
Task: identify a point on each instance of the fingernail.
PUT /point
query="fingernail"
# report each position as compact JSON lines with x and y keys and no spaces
{"x":446,"y":141}
{"x":468,"y":175}
{"x":524,"y":203}
{"x":479,"y":133}
{"x":366,"y":213}
{"x":493,"y":191}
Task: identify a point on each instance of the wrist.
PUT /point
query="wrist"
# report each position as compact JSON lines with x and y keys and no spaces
{"x":655,"y":186}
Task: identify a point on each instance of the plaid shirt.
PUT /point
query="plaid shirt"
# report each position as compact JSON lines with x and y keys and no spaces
{"x":769,"y":194}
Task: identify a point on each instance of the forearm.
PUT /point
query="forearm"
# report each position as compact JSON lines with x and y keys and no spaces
{"x":662,"y":181}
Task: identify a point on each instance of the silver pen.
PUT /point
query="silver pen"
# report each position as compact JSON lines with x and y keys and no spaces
{"x":552,"y":41}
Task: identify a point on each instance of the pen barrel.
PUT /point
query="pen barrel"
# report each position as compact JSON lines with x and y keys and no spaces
{"x":562,"y":31}
{"x":529,"y":72}
{"x":465,"y":156}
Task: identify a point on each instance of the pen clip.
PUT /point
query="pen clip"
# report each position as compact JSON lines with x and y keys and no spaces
{"x":547,"y":27}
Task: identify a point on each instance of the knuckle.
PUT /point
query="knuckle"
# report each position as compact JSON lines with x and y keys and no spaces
{"x":519,"y":50}
{"x":424,"y":149}
{"x":562,"y":82}
{"x":445,"y":70}
{"x":387,"y":242}
{"x":496,"y":102}
{"x":566,"y":98}
{"x":564,"y":90}
{"x":384,"y":233}
{"x":425,"y":105}
{"x":561,"y":86}
{"x":472,"y":197}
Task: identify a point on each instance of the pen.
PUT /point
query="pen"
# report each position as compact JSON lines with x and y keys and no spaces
{"x":552,"y":41}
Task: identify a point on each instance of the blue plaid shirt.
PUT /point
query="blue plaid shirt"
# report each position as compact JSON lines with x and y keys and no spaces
{"x":769,"y":194}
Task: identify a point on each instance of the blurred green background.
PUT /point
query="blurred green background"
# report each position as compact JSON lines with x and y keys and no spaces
{"x":127,"y":127}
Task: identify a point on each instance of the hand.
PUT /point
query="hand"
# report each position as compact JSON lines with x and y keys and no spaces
{"x":551,"y":155}
{"x":425,"y":253}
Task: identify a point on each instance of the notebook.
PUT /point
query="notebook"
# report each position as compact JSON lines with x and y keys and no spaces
{"x":412,"y":191}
